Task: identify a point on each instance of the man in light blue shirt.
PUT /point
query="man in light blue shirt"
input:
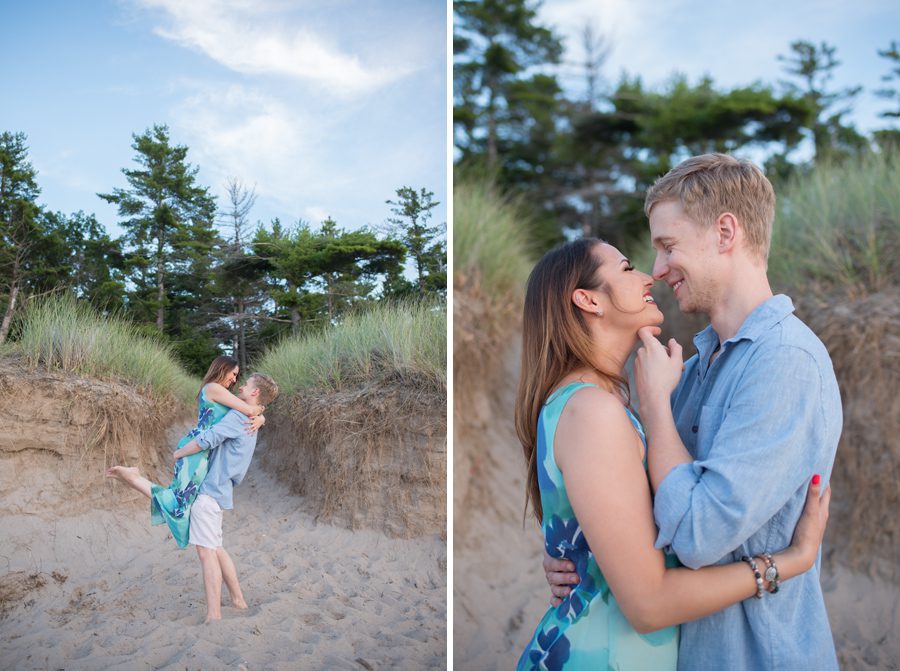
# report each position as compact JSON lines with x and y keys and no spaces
{"x":733,"y":443}
{"x":231,"y":450}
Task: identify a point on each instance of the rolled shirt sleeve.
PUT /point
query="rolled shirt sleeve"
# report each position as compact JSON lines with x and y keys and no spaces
{"x":230,"y":426}
{"x":765,"y":446}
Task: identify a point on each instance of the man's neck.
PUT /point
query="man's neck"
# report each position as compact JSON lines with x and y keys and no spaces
{"x":738,"y":301}
{"x":252,"y":402}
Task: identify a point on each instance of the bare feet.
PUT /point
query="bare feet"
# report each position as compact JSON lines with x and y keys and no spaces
{"x":126,"y":474}
{"x":239,"y":603}
{"x":130,"y":476}
{"x":212,"y":618}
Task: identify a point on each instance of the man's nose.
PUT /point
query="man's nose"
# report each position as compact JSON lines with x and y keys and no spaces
{"x":660,"y":267}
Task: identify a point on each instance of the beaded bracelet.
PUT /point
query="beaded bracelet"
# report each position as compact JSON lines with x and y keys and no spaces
{"x":756,"y":574}
{"x":771,"y":572}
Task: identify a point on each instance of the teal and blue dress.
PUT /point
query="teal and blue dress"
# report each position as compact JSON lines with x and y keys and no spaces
{"x":587,"y":630}
{"x":172,"y":505}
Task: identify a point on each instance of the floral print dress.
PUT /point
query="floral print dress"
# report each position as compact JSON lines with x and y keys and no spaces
{"x":587,"y":630}
{"x":172,"y":505}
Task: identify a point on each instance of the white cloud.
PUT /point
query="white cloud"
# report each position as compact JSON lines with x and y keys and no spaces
{"x":234,"y":131}
{"x":255,"y":38}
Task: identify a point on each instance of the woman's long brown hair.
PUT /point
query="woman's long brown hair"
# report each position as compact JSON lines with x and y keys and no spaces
{"x":556,"y":340}
{"x":219,"y":369}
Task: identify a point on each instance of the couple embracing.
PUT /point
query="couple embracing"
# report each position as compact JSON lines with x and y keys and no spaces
{"x":707,"y":512}
{"x":210,"y":461}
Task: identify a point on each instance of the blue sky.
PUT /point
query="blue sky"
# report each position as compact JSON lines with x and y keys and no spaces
{"x":326,"y":106}
{"x":735,"y":42}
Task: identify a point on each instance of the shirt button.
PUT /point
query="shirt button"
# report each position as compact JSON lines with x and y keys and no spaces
{"x":694,"y":428}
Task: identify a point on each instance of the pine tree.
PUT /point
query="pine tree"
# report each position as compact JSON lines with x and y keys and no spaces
{"x":19,"y":231}
{"x":495,"y":43}
{"x":814,"y":66}
{"x":425,"y":244}
{"x":168,"y":219}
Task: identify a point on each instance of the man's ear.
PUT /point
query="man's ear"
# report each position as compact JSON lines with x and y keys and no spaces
{"x":727,"y":231}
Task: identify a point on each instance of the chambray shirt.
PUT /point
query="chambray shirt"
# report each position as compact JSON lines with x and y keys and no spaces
{"x":232,"y":449}
{"x":759,"y":422}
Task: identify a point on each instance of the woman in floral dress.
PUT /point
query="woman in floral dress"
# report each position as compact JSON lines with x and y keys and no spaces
{"x":587,"y":479}
{"x":172,"y":505}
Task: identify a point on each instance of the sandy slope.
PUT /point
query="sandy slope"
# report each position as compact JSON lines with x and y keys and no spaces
{"x":106,"y":591}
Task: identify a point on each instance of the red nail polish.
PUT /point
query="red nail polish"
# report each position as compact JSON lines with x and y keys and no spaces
{"x":816,"y":478}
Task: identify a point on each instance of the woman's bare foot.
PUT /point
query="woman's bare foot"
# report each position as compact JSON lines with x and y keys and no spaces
{"x":126,"y":474}
{"x":239,"y":603}
{"x":130,"y":476}
{"x":212,"y":618}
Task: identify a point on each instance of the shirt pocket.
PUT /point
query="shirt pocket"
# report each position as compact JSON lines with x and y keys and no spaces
{"x":708,"y":424}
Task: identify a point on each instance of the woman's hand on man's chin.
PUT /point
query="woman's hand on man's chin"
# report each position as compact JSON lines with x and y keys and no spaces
{"x":657,"y":367}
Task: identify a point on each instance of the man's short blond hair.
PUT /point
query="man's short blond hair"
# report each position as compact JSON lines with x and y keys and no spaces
{"x":710,"y":184}
{"x":268,"y":390}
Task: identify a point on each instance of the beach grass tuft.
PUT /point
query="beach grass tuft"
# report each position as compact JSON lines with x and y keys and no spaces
{"x":837,"y":228}
{"x":390,"y":340}
{"x":64,"y":334}
{"x":490,"y":239}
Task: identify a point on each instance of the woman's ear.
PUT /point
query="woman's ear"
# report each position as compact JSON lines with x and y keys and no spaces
{"x":585,"y":301}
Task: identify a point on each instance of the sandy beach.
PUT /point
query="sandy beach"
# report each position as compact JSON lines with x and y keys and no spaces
{"x":105,"y":590}
{"x":87,"y":583}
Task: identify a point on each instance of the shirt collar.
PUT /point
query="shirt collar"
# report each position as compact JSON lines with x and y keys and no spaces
{"x":764,"y":317}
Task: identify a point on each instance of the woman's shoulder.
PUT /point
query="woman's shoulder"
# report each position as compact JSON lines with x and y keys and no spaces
{"x":592,"y":412}
{"x":213,"y":392}
{"x":590,"y":398}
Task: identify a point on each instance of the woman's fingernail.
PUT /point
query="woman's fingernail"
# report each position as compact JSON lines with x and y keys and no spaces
{"x":816,"y":478}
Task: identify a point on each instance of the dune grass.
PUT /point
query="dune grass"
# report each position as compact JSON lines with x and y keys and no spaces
{"x":61,"y":333}
{"x":489,"y":238}
{"x":388,"y":341}
{"x":837,"y":228}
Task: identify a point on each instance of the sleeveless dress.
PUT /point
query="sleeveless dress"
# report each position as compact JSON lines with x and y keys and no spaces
{"x":172,"y":505}
{"x":587,"y":630}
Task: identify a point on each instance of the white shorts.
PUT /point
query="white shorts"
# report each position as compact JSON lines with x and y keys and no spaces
{"x":206,"y":523}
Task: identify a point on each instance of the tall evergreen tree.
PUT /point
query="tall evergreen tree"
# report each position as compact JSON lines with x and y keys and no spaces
{"x":495,"y":43}
{"x":889,"y":138}
{"x":425,"y":244}
{"x":19,"y":230}
{"x":892,"y":55}
{"x":77,"y":253}
{"x":814,"y":67}
{"x":168,"y":219}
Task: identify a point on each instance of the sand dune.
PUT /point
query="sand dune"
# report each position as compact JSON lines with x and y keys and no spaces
{"x":104,"y":590}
